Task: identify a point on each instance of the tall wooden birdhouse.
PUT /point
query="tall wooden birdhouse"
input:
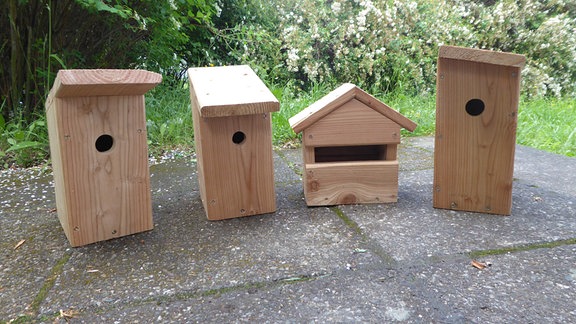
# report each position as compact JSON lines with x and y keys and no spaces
{"x":97,"y":130}
{"x":231,"y":109}
{"x":476,"y":116}
{"x":349,"y":143}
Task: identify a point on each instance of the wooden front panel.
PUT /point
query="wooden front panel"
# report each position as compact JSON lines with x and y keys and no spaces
{"x":237,"y":165}
{"x":328,"y":184}
{"x":476,"y":116}
{"x":353,"y":123}
{"x":100,"y":158}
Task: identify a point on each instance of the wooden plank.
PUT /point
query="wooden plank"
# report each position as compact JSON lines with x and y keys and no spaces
{"x":101,"y":195}
{"x":104,"y":82}
{"x":481,"y":56}
{"x":385,"y":110}
{"x":353,"y":123}
{"x":328,"y":184}
{"x":322,"y":107}
{"x":340,"y":96}
{"x":474,"y":154}
{"x":230,"y":91}
{"x":237,"y":179}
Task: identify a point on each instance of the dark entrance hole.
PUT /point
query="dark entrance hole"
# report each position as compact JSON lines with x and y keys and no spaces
{"x":238,"y":138}
{"x":104,"y":143}
{"x":475,"y":107}
{"x":350,"y":153}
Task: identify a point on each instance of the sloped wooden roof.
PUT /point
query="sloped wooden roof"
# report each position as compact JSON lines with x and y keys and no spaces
{"x":103,"y":82}
{"x":481,"y":56}
{"x":337,"y":98}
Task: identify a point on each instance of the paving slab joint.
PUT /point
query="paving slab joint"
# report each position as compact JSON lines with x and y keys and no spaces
{"x":371,"y":245}
{"x":521,"y":248}
{"x":290,"y":164}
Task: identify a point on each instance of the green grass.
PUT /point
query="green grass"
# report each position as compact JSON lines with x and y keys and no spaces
{"x":548,"y":124}
{"x":544,"y":123}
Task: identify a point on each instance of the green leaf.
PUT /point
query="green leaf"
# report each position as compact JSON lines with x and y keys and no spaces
{"x":23,"y":145}
{"x":2,"y":123}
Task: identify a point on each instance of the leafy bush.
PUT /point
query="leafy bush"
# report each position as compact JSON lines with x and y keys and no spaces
{"x":393,"y":45}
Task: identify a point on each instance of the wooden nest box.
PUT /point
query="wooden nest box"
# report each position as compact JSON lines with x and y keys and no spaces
{"x":231,"y":110}
{"x":476,"y":116}
{"x":97,"y":130}
{"x":349,"y":143}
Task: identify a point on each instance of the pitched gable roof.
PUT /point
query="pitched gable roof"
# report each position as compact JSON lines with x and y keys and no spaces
{"x":337,"y":98}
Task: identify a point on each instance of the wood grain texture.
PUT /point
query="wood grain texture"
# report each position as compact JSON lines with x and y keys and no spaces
{"x":230,"y":91}
{"x":340,"y":96}
{"x":236,"y":179}
{"x":474,"y":155}
{"x":353,"y":123}
{"x":100,"y":195}
{"x":481,"y":56}
{"x":328,"y":184}
{"x":105,"y":82}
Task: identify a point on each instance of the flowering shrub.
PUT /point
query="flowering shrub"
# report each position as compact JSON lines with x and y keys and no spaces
{"x":388,"y":45}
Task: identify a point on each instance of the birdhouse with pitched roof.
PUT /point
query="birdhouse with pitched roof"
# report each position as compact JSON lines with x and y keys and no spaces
{"x":97,"y":130}
{"x":350,"y":141}
{"x":476,"y":115}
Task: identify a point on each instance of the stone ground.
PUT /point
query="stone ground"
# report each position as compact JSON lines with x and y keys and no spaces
{"x":404,"y":261}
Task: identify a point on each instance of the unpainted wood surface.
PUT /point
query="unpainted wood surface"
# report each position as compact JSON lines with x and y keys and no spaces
{"x":230,"y":91}
{"x":353,"y":123}
{"x":236,"y":179}
{"x":340,"y":96}
{"x":328,"y":184}
{"x":481,"y":56}
{"x":474,"y":155}
{"x":100,"y":195}
{"x":103,"y":82}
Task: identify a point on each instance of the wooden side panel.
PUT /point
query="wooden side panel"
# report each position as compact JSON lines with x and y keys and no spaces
{"x":474,"y":153}
{"x":238,"y":177}
{"x":101,"y":194}
{"x":352,"y":124}
{"x":58,"y":164}
{"x":328,"y":184}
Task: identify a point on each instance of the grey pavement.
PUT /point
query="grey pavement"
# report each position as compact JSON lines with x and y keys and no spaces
{"x":384,"y":263}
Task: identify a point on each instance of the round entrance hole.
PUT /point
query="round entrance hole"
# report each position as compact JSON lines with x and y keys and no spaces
{"x":238,"y":138}
{"x":104,"y":143}
{"x":475,"y":107}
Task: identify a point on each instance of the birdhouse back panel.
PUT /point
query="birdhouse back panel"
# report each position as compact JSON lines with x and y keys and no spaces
{"x":476,"y":118}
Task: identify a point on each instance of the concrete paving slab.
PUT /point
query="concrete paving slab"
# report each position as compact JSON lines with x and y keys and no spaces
{"x":412,"y":228}
{"x":360,"y":263}
{"x":31,"y":241}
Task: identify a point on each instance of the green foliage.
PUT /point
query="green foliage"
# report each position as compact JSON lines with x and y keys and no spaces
{"x":302,"y":49}
{"x":23,"y":145}
{"x":168,"y":119}
{"x":548,"y":124}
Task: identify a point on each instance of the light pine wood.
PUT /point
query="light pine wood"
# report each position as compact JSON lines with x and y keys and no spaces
{"x":349,"y":148}
{"x":83,"y":83}
{"x":351,"y":183}
{"x":230,"y":91}
{"x":100,"y":195}
{"x":474,"y":155}
{"x":235,"y":179}
{"x":338,"y":97}
{"x":481,"y":56}
{"x":356,"y":124}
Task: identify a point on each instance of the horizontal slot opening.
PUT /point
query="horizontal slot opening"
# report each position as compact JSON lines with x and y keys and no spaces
{"x":350,"y":153}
